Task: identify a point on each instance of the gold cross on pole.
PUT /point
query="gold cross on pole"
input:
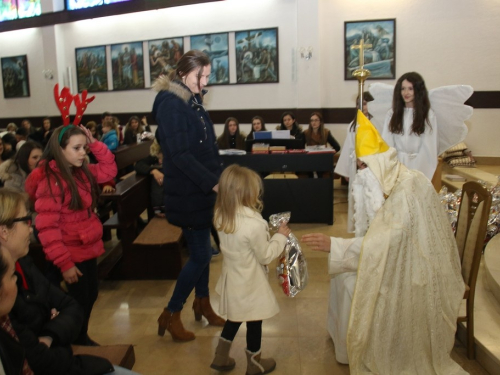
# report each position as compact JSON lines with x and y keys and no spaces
{"x":361,"y":46}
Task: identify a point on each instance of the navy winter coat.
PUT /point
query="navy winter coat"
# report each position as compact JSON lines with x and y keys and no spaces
{"x":191,"y":162}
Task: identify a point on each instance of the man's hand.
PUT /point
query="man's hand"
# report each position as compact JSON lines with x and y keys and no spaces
{"x":317,"y":241}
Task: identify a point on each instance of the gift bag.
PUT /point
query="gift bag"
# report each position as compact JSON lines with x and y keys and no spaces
{"x":292,"y":265}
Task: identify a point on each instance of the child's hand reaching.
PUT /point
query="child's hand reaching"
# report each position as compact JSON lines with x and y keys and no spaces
{"x":90,"y":137}
{"x":284,"y":230}
{"x":108,"y":189}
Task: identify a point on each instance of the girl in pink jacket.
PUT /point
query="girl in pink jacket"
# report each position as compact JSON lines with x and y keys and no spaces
{"x":64,"y":191}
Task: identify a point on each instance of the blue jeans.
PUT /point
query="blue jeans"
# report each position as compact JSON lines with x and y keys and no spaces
{"x":196,"y":271}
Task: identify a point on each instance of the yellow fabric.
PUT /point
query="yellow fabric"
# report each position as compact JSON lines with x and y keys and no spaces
{"x":368,"y":140}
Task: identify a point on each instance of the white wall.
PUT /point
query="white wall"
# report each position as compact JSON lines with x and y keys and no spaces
{"x":447,"y":41}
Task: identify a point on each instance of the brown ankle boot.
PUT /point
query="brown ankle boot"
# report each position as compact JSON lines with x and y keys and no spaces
{"x":201,"y":306}
{"x":172,"y":323}
{"x":222,"y":360}
{"x":257,"y":365}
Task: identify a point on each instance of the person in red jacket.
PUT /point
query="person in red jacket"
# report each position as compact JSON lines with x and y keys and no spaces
{"x":64,"y":191}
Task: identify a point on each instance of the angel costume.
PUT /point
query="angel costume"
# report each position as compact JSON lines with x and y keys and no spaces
{"x":445,"y":127}
{"x":407,"y":290}
{"x":418,"y":152}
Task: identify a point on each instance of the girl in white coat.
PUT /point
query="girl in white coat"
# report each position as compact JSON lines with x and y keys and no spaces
{"x":246,"y":295}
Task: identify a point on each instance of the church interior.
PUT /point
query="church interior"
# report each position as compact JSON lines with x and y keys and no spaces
{"x":448,"y":42}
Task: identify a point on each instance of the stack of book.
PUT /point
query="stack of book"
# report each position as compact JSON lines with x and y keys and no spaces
{"x":260,"y":148}
{"x":277,"y":149}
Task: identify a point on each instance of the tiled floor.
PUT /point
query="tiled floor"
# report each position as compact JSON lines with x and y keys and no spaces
{"x":126,"y":312}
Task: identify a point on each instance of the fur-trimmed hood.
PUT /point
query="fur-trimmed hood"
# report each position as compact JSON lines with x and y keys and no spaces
{"x":163,"y":83}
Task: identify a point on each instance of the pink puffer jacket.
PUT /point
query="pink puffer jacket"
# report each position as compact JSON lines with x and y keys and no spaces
{"x":69,"y":236}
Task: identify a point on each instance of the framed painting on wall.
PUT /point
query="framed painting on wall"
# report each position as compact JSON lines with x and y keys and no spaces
{"x":216,"y":46}
{"x":163,"y":56}
{"x":379,"y":37}
{"x":15,"y":77}
{"x":127,"y":61}
{"x":91,"y":70}
{"x":257,"y":56}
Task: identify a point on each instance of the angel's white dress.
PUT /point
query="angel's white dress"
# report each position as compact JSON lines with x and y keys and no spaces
{"x":418,"y":152}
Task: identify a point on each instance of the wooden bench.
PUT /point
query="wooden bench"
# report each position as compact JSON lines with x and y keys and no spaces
{"x":131,"y":198}
{"x":128,"y":155}
{"x":156,"y":253}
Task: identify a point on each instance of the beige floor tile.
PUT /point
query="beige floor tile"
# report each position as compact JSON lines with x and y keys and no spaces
{"x":127,"y":311}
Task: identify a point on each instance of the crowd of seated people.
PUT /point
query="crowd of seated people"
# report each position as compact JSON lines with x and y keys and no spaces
{"x":38,"y":321}
{"x":315,"y":135}
{"x":47,"y":339}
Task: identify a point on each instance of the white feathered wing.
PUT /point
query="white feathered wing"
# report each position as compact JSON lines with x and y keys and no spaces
{"x":447,"y":102}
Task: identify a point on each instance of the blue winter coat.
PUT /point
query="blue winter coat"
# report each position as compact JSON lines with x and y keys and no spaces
{"x":191,"y":162}
{"x":110,"y":139}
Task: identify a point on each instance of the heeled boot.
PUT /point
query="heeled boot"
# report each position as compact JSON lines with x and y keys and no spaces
{"x":257,"y":365}
{"x":172,"y":323}
{"x":222,"y":360}
{"x":201,"y":306}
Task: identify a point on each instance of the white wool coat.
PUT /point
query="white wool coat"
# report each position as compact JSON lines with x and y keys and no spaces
{"x":243,"y":285}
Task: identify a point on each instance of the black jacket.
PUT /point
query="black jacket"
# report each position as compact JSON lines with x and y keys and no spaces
{"x":191,"y":162}
{"x":31,"y":318}
{"x":11,"y":354}
{"x":144,"y":167}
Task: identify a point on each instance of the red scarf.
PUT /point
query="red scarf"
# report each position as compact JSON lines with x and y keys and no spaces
{"x":19,"y":270}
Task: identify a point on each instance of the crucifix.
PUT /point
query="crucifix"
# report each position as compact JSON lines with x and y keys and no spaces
{"x":361,"y":73}
{"x":361,"y":46}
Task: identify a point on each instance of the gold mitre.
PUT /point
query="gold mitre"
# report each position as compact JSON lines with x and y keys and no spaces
{"x":368,"y":140}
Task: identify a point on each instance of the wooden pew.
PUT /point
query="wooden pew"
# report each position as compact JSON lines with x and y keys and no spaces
{"x":157,"y":251}
{"x":128,"y":155}
{"x":131,"y":198}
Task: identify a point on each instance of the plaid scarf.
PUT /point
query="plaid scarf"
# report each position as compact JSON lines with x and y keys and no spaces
{"x":6,"y":325}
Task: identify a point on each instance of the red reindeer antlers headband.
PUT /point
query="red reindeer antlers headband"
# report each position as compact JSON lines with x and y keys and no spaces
{"x":63,"y":102}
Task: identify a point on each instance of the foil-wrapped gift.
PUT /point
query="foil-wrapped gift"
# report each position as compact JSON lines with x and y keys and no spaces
{"x":146,"y":136}
{"x":292,"y":265}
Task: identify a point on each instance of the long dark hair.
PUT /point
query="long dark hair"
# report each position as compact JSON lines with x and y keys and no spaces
{"x":321,"y":131}
{"x":295,"y":126}
{"x":367,"y":97}
{"x":139,"y":129}
{"x":224,"y":139}
{"x":421,"y":105}
{"x":53,"y":151}
{"x":263,"y":124}
{"x":190,"y":61}
{"x":23,"y":155}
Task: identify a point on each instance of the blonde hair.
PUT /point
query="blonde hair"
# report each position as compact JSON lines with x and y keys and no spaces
{"x":155,"y":149}
{"x":238,"y":187}
{"x":10,"y":201}
{"x":111,"y":124}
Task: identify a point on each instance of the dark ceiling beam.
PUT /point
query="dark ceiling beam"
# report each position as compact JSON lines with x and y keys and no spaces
{"x":65,"y":16}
